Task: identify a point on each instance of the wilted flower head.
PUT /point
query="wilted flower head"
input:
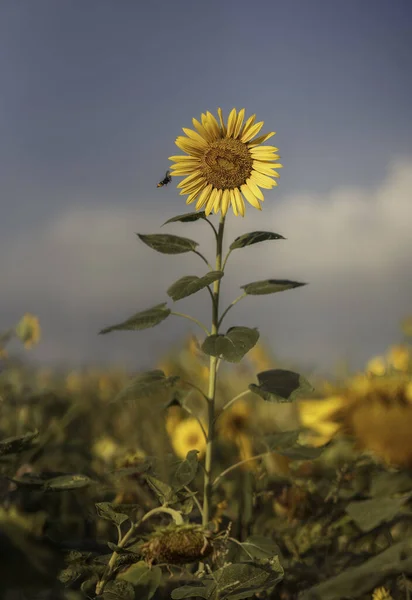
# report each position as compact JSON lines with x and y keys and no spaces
{"x":225,"y":164}
{"x":178,"y":544}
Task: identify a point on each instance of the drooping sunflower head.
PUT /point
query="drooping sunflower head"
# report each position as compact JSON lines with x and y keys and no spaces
{"x":225,"y":163}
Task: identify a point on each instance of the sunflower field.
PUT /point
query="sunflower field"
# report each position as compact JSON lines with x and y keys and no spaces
{"x":101,"y":481}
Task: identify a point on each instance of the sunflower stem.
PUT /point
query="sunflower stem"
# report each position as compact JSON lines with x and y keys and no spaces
{"x":207,"y":498}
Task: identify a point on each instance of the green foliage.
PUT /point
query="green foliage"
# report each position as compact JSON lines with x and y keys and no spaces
{"x":145,"y":580}
{"x":185,"y":471}
{"x":142,"y":320}
{"x":280,"y":385}
{"x":270,"y":286}
{"x":146,"y":385}
{"x":369,"y":514}
{"x":166,"y":243}
{"x":187,"y":218}
{"x":233,"y":345}
{"x":190,"y":284}
{"x":235,"y":581}
{"x":255,"y":237}
{"x":17,"y":444}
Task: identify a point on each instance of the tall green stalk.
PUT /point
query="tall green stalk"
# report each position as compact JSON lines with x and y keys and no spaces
{"x":207,"y":498}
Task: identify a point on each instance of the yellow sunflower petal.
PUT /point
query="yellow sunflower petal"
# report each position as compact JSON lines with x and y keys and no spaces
{"x":212,"y":123}
{"x":265,"y":168}
{"x":251,"y":132}
{"x":225,"y":201}
{"x":191,"y":179}
{"x":263,"y":149}
{"x":231,"y":122}
{"x":262,"y":181}
{"x":204,"y":196}
{"x":202,"y":130}
{"x":192,"y":197}
{"x":240,"y":203}
{"x":248,"y":124}
{"x":189,"y":146}
{"x":222,"y":123}
{"x":195,"y":136}
{"x":180,"y":158}
{"x":199,"y":185}
{"x":239,"y":122}
{"x":250,"y":197}
{"x":254,"y":189}
{"x":261,"y":139}
{"x":211,"y":201}
{"x":218,"y":200}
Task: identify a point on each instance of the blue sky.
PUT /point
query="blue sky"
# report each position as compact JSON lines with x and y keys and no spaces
{"x":93,"y":96}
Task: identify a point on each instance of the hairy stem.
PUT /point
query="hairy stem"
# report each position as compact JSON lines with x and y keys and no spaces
{"x":207,"y":498}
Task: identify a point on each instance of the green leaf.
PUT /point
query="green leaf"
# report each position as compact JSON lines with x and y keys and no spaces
{"x":167,"y":243}
{"x":190,"y":284}
{"x":192,"y":591}
{"x":270,"y":286}
{"x":359,"y":580}
{"x":145,"y":580}
{"x":280,"y":385}
{"x":142,"y":320}
{"x":146,"y":384}
{"x":282,"y":439}
{"x":302,"y":452}
{"x":67,"y":482}
{"x":369,"y":514}
{"x":244,"y":580}
{"x":17,"y":444}
{"x":256,"y":546}
{"x":388,"y":484}
{"x":254,"y":237}
{"x":119,"y":590}
{"x":187,"y":218}
{"x":105,"y":510}
{"x":186,"y":471}
{"x":162,"y":490}
{"x":233,"y":346}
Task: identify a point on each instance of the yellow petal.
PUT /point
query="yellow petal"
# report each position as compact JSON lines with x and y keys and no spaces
{"x":192,"y":197}
{"x":195,"y":136}
{"x":261,"y":139}
{"x":254,"y":189}
{"x":251,"y":132}
{"x":189,"y":146}
{"x":183,"y":159}
{"x":211,"y":201}
{"x":261,"y":167}
{"x":194,"y":177}
{"x":231,"y":122}
{"x":225,"y":201}
{"x":202,"y":130}
{"x":263,"y":149}
{"x":239,"y":122}
{"x":248,"y":124}
{"x":240,"y":203}
{"x":204,"y":196}
{"x":212,"y":123}
{"x":218,"y":199}
{"x":222,"y":123}
{"x":193,"y":187}
{"x":250,"y":197}
{"x":262,"y":181}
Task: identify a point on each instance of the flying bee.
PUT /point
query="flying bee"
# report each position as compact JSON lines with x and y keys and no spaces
{"x":167,"y":179}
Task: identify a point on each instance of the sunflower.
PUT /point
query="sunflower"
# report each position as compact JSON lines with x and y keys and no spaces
{"x":375,"y":410}
{"x":225,"y":163}
{"x":28,"y":330}
{"x":186,"y":436}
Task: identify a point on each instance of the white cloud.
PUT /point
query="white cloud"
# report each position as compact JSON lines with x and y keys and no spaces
{"x":87,"y":269}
